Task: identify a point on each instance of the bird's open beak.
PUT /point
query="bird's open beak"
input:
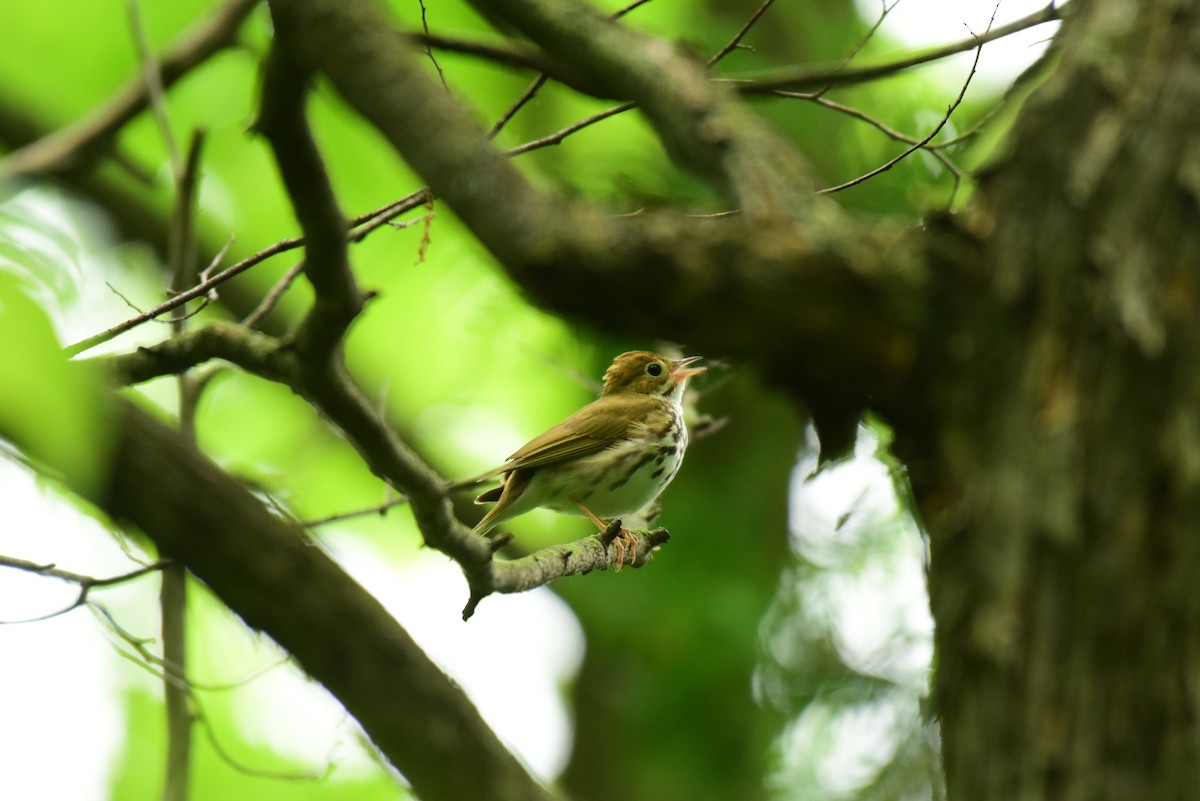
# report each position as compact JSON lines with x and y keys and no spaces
{"x":680,"y":369}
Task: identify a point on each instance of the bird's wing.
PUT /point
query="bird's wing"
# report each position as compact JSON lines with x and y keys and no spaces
{"x":597,"y":426}
{"x":593,"y":428}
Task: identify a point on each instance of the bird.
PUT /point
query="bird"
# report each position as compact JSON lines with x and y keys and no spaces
{"x":610,"y":458}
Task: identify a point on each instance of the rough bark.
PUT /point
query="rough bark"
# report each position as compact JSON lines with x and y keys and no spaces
{"x":1059,"y":472}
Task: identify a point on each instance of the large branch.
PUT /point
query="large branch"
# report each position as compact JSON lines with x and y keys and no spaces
{"x":827,"y":307}
{"x":702,"y":123}
{"x":1058,"y":476}
{"x":274,"y":578}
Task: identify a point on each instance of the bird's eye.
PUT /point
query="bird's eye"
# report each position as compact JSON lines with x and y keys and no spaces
{"x":654,"y":369}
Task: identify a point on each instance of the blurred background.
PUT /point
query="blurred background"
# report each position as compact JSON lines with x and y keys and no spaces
{"x":779,"y":647}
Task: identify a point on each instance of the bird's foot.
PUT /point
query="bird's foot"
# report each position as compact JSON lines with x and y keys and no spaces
{"x":626,"y":543}
{"x":624,"y":540}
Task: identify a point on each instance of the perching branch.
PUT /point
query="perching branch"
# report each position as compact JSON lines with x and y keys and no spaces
{"x":337,"y":397}
{"x":597,"y":552}
{"x":802,"y":264}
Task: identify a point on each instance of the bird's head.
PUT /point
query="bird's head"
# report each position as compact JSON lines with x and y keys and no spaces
{"x":645,"y":373}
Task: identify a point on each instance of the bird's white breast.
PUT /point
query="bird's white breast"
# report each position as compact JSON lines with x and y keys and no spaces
{"x":638,"y":476}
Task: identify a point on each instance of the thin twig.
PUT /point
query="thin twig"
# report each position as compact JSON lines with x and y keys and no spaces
{"x":558,"y":136}
{"x":429,"y":50}
{"x":862,"y":42}
{"x":86,"y":583}
{"x":518,"y":104}
{"x":741,"y":34}
{"x":165,"y":671}
{"x":620,"y":12}
{"x":363,"y":224}
{"x":154,"y":86}
{"x":248,"y":770}
{"x":930,"y":147}
{"x":515,"y":54}
{"x":379,"y":510}
{"x":921,"y":143}
{"x":540,"y":81}
{"x":183,"y":297}
{"x":271,"y":299}
{"x":800,"y":77}
{"x":970,"y":133}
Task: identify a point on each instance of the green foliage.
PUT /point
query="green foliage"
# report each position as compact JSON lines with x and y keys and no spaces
{"x":257,"y":773}
{"x":468,"y":370}
{"x":42,"y":398}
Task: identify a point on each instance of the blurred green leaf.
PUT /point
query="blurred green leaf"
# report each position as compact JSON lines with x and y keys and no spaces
{"x":48,"y":407}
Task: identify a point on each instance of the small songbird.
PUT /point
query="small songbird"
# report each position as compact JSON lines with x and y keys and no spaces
{"x":610,"y":458}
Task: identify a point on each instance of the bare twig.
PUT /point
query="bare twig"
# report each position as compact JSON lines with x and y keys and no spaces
{"x":363,"y":225}
{"x":160,"y":668}
{"x":86,"y":583}
{"x":172,"y":675}
{"x":378,"y":510}
{"x":620,"y":12}
{"x":183,"y":297}
{"x":970,"y":133}
{"x":934,"y":149}
{"x":249,"y":770}
{"x":558,"y":136}
{"x":741,"y":34}
{"x":922,"y":142}
{"x":429,"y":50}
{"x":884,"y":11}
{"x":271,"y":299}
{"x":514,"y":54}
{"x":518,"y":104}
{"x":540,"y":81}
{"x":801,"y":77}
{"x":154,"y":85}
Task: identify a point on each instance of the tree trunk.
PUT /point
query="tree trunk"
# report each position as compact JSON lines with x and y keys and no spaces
{"x":1060,"y":479}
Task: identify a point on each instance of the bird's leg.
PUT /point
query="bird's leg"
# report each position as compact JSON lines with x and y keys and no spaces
{"x":625,"y":540}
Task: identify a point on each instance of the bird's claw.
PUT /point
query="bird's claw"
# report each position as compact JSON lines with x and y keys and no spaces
{"x":623,"y":539}
{"x":626,"y":542}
